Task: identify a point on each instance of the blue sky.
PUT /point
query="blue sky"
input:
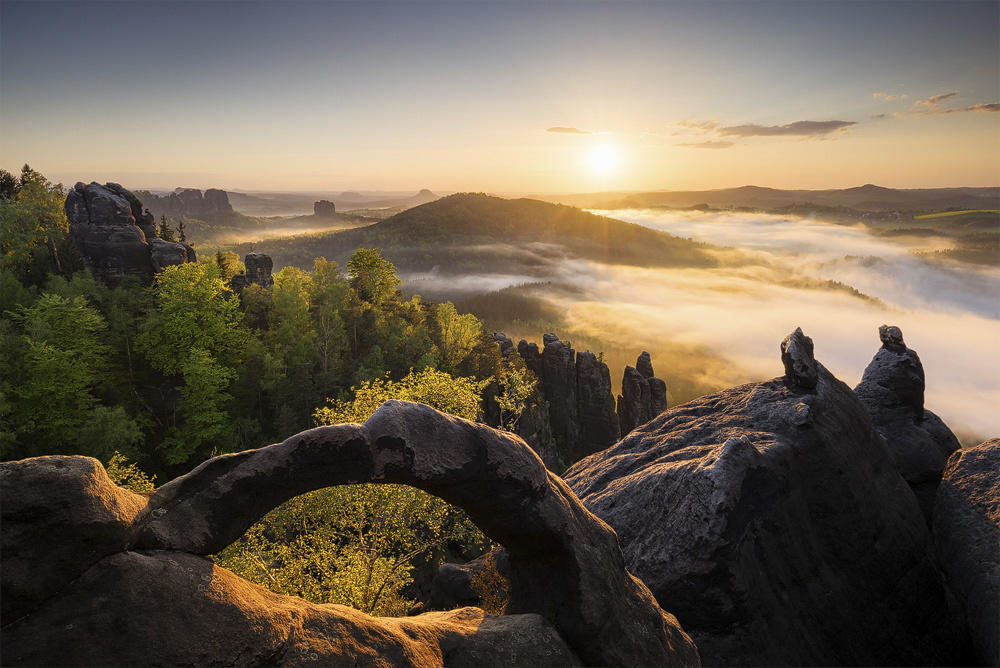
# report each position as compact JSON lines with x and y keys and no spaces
{"x":458,"y":96}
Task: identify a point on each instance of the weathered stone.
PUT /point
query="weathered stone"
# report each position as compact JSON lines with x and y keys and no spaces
{"x":60,"y":515}
{"x":558,"y":378}
{"x":774,"y":524}
{"x":595,"y":407}
{"x":115,"y":237}
{"x":324,"y":208}
{"x":892,"y":391}
{"x":643,"y":395}
{"x":259,"y":268}
{"x":172,"y":608}
{"x":967,"y":538}
{"x":797,"y":357}
{"x":565,"y":564}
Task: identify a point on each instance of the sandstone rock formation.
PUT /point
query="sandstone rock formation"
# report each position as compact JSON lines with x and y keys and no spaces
{"x":967,"y":537}
{"x":324,"y":208}
{"x":153,"y":595}
{"x":770,"y":518}
{"x":577,"y":388}
{"x":189,"y":202}
{"x":892,"y":390}
{"x":258,"y":270}
{"x":643,"y":396}
{"x":115,"y":237}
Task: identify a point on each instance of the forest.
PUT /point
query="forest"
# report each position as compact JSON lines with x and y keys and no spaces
{"x":153,"y":379}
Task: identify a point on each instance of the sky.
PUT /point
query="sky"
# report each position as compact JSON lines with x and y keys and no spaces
{"x":502,"y":97}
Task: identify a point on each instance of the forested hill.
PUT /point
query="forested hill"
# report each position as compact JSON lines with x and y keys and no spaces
{"x":476,"y":231}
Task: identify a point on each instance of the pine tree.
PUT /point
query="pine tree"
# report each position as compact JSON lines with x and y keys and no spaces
{"x":164,"y":231}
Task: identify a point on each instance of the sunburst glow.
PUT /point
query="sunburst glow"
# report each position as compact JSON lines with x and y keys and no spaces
{"x":603,"y":159}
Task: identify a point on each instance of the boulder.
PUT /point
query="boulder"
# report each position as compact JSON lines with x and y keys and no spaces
{"x":770,"y":518}
{"x":892,"y":391}
{"x":166,"y":253}
{"x":967,"y":538}
{"x":60,"y":515}
{"x":324,"y":208}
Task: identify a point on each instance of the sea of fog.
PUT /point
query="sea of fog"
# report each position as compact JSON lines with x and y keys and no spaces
{"x":949,"y":312}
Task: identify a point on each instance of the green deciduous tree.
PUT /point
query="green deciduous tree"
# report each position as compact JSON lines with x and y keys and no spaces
{"x":372,"y":277}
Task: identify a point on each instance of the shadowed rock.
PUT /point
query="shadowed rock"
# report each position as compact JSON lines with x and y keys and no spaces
{"x":564,"y":562}
{"x":324,"y":208}
{"x":797,"y":357}
{"x":773,"y":523}
{"x":967,"y":537}
{"x":115,"y":237}
{"x":571,"y":597}
{"x":259,"y":268}
{"x":643,"y":396}
{"x":892,"y":390}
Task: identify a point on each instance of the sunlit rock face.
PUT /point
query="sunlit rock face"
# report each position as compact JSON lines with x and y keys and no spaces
{"x":771,"y":519}
{"x":115,"y":237}
{"x":133,"y":568}
{"x":967,"y":537}
{"x":892,"y":390}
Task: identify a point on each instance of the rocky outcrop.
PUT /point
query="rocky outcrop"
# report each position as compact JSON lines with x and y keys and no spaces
{"x":258,"y":271}
{"x":60,"y":515}
{"x":770,"y":518}
{"x":967,"y":537}
{"x":892,"y":390}
{"x":643,"y":395}
{"x":115,"y":237}
{"x":189,"y":203}
{"x":324,"y":208}
{"x":571,"y":597}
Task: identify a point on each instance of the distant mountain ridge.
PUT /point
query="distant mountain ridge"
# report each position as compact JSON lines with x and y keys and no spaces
{"x":868,"y":197}
{"x":301,"y":203}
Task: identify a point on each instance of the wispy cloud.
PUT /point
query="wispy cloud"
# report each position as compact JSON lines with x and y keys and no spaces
{"x":708,"y":144}
{"x":569,"y":131}
{"x":699,"y":126}
{"x":798,"y":128}
{"x":932,"y":105}
{"x":889,"y":96}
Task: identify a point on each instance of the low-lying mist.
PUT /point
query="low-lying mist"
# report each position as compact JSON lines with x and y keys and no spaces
{"x":838,"y":283}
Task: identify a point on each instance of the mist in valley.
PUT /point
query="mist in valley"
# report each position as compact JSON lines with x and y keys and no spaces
{"x":710,"y":328}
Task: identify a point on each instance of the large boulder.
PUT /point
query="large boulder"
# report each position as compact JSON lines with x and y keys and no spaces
{"x":770,"y":518}
{"x":60,"y":515}
{"x":115,"y":237}
{"x":572,"y":600}
{"x":967,"y":537}
{"x":259,"y":266}
{"x":892,"y":390}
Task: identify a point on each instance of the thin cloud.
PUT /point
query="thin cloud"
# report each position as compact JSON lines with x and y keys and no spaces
{"x":932,"y":105}
{"x":798,"y":128}
{"x":889,"y":96}
{"x":569,"y":131}
{"x":700,"y":126}
{"x":708,"y":144}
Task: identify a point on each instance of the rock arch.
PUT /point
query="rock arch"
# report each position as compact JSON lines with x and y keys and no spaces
{"x":566,"y":564}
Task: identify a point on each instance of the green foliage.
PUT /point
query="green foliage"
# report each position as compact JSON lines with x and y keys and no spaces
{"x":457,"y":335}
{"x":373,"y":277}
{"x":492,"y":587}
{"x":54,"y":357}
{"x":33,"y":227}
{"x":358,"y":545}
{"x":127,"y":474}
{"x":164,"y":231}
{"x":458,"y":396}
{"x":517,"y":384}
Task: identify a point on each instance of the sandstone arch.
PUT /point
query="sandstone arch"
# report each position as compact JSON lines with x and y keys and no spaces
{"x":566,"y":564}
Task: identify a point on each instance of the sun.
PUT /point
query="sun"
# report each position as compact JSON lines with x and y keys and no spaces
{"x":603,"y":159}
